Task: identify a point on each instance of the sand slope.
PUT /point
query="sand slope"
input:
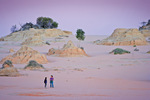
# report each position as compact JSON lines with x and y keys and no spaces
{"x":102,"y":76}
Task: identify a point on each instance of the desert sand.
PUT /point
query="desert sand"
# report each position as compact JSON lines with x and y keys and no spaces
{"x":100,"y":76}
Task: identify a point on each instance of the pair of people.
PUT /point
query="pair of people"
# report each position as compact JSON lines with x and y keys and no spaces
{"x":51,"y":81}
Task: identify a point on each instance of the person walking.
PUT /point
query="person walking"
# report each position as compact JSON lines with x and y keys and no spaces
{"x":45,"y":81}
{"x":51,"y":81}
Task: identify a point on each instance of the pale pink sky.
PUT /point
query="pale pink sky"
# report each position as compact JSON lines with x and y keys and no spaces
{"x":95,"y":17}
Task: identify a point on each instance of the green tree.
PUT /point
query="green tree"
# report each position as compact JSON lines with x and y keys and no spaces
{"x":46,"y":22}
{"x":148,"y":23}
{"x":26,"y":26}
{"x":55,"y":24}
{"x":80,"y":35}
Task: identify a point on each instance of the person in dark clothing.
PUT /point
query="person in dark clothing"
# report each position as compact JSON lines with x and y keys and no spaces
{"x":45,"y":81}
{"x":51,"y":82}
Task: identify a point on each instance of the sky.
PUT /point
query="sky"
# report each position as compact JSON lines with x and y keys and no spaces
{"x":94,"y":17}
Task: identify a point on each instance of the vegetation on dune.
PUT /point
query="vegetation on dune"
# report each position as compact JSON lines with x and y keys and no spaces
{"x":145,"y":25}
{"x":82,"y":48}
{"x":26,"y":26}
{"x":14,"y":29}
{"x":55,"y":24}
{"x":41,"y":23}
{"x":148,"y":23}
{"x":33,"y":64}
{"x":134,"y":45}
{"x":119,"y":51}
{"x":8,"y":62}
{"x":46,"y":22}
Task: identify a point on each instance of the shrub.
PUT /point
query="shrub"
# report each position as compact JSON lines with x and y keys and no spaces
{"x":55,"y":25}
{"x":41,"y":23}
{"x":27,"y":26}
{"x":119,"y":51}
{"x":14,"y":29}
{"x":8,"y":62}
{"x":136,"y":49}
{"x":33,"y":64}
{"x":82,"y":48}
{"x":36,"y":26}
{"x":148,"y":23}
{"x":144,"y":25}
{"x":134,"y":45}
{"x":48,"y":43}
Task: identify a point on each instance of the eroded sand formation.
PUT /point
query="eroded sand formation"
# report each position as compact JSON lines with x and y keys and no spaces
{"x":8,"y":69}
{"x":124,"y":37}
{"x":44,"y":33}
{"x":24,"y":55}
{"x":68,"y":50}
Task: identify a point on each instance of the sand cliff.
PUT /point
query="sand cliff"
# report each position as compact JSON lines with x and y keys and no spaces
{"x":124,"y":37}
{"x":44,"y":33}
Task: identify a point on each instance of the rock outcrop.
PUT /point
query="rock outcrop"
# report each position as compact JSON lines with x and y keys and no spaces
{"x":124,"y":37}
{"x":45,"y":33}
{"x":24,"y":55}
{"x":33,"y":65}
{"x":68,"y":50}
{"x":136,"y":49}
{"x":8,"y":69}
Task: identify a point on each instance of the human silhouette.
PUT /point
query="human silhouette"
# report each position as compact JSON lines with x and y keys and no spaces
{"x":45,"y":81}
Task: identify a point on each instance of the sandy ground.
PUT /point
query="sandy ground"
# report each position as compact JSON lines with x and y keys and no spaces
{"x":101,"y":76}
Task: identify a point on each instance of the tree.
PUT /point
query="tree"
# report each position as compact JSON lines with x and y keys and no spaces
{"x":80,"y":35}
{"x":46,"y":22}
{"x":36,"y":26}
{"x":55,"y":25}
{"x":143,"y":23}
{"x":148,"y":23}
{"x":26,"y":26}
{"x":14,"y":29}
{"x":41,"y":23}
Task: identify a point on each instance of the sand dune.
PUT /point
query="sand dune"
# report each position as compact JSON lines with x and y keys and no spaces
{"x":101,"y":76}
